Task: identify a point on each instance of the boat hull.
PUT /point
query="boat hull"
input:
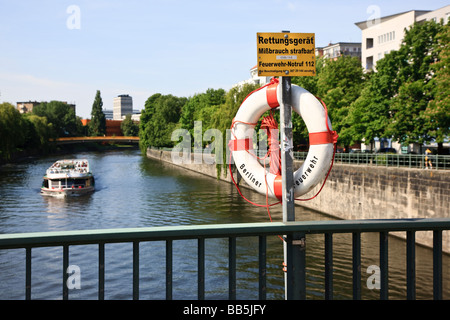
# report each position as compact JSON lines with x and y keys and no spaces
{"x":66,"y":192}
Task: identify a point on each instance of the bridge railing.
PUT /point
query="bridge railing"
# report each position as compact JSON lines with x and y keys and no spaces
{"x":66,"y":239}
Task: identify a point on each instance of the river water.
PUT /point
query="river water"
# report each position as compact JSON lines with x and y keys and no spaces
{"x":134,"y":191}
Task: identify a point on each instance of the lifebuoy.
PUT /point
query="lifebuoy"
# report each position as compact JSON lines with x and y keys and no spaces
{"x":321,"y":140}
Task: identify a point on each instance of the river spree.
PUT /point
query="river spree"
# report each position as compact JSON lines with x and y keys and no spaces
{"x":133,"y":191}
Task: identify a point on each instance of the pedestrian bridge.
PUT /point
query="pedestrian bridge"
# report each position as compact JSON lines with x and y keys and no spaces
{"x":116,"y":139}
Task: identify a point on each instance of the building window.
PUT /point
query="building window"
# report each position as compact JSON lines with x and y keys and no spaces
{"x":369,"y":43}
{"x":369,"y":62}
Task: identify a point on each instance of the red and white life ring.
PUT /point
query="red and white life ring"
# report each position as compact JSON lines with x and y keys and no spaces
{"x":321,"y":140}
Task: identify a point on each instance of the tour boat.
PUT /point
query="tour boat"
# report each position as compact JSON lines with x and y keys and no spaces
{"x":68,"y":177}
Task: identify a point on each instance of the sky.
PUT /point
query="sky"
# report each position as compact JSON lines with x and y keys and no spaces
{"x":67,"y":50}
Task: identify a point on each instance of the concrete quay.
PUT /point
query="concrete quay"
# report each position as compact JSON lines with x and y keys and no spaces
{"x":365,"y":192}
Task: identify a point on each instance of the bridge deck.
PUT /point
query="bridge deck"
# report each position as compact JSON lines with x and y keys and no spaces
{"x":70,"y":140}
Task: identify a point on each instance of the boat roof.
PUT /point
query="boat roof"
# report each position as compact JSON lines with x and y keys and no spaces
{"x":77,"y":166}
{"x":72,"y":161}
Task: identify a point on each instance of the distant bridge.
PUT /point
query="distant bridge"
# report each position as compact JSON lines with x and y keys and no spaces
{"x":117,"y":139}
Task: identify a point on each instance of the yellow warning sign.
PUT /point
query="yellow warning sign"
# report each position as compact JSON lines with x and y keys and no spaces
{"x":286,"y":54}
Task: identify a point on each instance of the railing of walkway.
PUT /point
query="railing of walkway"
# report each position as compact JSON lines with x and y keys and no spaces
{"x":28,"y":241}
{"x":440,"y":162}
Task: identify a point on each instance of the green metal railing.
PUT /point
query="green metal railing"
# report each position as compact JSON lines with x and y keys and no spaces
{"x":440,"y":162}
{"x":28,"y":241}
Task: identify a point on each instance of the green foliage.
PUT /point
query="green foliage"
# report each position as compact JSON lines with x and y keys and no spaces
{"x":61,"y":116}
{"x":129,"y":127}
{"x":18,"y":132}
{"x":39,"y":133}
{"x":159,"y":119}
{"x":407,"y":97}
{"x":201,"y":107}
{"x":436,"y":116}
{"x":415,"y":61}
{"x":12,"y":130}
{"x":339,"y":84}
{"x":97,"y":125}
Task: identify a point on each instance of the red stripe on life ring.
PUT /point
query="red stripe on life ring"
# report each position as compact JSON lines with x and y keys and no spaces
{"x":240,"y":144}
{"x":271,"y":94}
{"x":322,"y":137}
{"x":278,"y":187}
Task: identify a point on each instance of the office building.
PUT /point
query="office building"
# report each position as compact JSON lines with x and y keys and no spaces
{"x":382,"y":35}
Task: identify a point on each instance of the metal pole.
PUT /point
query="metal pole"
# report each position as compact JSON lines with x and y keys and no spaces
{"x":294,"y":245}
{"x":287,"y":162}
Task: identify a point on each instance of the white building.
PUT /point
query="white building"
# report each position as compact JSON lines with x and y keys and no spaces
{"x":123,"y":105}
{"x":335,"y":50}
{"x":254,"y":78}
{"x":382,"y":35}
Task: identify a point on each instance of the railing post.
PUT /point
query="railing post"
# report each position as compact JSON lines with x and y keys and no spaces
{"x":328,"y":266}
{"x":232,"y":268}
{"x":356,"y":248}
{"x":262,"y":267}
{"x":410,"y":265}
{"x":437,"y":264}
{"x":384,"y":265}
{"x":135,"y":270}
{"x":65,"y":275}
{"x":101,"y":271}
{"x":296,"y":270}
{"x":28,"y":274}
{"x":169,"y":266}
{"x":201,"y":269}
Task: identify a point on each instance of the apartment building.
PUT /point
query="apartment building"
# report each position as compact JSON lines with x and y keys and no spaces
{"x":27,"y":106}
{"x":382,"y":35}
{"x":336,"y":50}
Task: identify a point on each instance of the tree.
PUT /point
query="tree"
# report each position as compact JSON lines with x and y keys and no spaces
{"x":61,"y":116}
{"x":369,"y":114}
{"x":399,"y":100}
{"x":436,"y":116}
{"x":129,"y":127}
{"x":97,"y":125}
{"x":39,"y":133}
{"x":339,"y":84}
{"x":159,"y":119}
{"x":415,"y":69}
{"x":201,"y":107}
{"x":12,"y":130}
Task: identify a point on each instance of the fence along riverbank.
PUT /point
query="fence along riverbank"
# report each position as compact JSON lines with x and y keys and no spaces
{"x":364,"y":192}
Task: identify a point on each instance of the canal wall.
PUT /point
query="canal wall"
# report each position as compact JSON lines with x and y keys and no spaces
{"x":363,"y":192}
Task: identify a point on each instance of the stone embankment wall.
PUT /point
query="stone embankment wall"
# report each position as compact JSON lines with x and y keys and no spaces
{"x":367,"y":192}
